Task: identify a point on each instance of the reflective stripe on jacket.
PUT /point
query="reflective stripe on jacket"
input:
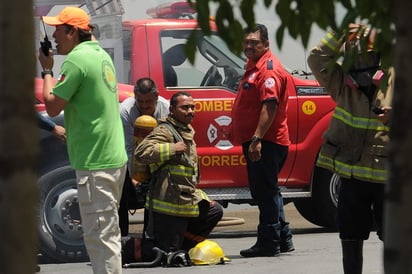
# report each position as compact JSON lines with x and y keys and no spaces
{"x":355,"y":144}
{"x":174,"y":191}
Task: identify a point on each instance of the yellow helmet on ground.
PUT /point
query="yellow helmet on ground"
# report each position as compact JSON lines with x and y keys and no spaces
{"x":207,"y":252}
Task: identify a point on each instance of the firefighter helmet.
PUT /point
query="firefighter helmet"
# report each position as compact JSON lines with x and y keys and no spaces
{"x":207,"y":252}
{"x":143,"y":125}
{"x":145,"y":121}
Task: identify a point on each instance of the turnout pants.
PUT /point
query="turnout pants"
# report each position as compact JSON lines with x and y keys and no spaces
{"x":172,"y":233}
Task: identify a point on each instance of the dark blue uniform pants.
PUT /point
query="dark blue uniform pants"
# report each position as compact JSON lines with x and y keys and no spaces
{"x":263,"y":184}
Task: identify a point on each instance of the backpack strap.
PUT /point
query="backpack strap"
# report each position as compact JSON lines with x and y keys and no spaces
{"x":172,"y":129}
{"x":177,"y":137}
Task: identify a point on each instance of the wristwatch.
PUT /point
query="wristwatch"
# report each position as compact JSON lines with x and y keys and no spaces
{"x":255,"y":139}
{"x":45,"y":72}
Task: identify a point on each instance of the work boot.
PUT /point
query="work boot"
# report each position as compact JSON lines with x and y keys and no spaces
{"x":267,"y":244}
{"x":286,"y":243}
{"x":260,"y":251}
{"x":286,"y":246}
{"x":352,"y":256}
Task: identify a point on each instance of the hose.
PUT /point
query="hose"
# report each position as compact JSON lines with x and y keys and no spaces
{"x":160,"y":255}
{"x":227,"y":221}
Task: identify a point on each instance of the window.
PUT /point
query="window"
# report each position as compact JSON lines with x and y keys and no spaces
{"x":215,"y":64}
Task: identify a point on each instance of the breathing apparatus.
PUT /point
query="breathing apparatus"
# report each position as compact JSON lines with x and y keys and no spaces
{"x":144,"y":124}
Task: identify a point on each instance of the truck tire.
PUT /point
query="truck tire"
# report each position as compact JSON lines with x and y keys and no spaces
{"x":320,"y":209}
{"x":59,"y":225}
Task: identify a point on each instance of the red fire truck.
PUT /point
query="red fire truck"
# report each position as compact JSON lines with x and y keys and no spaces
{"x":154,"y":47}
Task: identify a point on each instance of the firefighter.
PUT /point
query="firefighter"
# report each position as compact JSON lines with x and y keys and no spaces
{"x":180,"y":214}
{"x":355,"y":144}
{"x":146,"y":101}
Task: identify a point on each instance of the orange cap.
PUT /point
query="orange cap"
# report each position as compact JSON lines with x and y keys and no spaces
{"x":72,"y":16}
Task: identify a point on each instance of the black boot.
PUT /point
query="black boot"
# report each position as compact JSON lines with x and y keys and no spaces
{"x":286,"y":246}
{"x":267,"y":244}
{"x":259,"y":250}
{"x":286,"y":243}
{"x":352,"y":256}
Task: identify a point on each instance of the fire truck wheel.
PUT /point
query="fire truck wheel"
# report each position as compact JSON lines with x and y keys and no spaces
{"x":59,"y":225}
{"x":320,"y":209}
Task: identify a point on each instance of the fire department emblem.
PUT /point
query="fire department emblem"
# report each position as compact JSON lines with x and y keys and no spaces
{"x":270,"y":83}
{"x":216,"y":133}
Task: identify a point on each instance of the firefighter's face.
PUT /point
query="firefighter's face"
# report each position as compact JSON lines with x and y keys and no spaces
{"x":184,"y":111}
{"x":146,"y":103}
{"x":253,"y":46}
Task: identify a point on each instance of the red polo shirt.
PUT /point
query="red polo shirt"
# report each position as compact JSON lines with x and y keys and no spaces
{"x":264,"y":81}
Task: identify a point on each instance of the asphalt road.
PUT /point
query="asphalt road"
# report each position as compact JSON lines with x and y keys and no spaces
{"x":317,"y":249}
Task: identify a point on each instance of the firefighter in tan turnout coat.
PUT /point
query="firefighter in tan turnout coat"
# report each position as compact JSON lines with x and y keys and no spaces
{"x":181,"y":214}
{"x":355,"y":144}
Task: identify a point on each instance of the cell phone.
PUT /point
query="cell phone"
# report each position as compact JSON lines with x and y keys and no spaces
{"x":377,"y":110}
{"x":45,"y":44}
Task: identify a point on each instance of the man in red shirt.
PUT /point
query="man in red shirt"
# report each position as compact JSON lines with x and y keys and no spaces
{"x":260,"y":125}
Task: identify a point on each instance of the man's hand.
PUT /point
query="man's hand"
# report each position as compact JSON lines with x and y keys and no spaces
{"x":384,"y":117}
{"x":180,"y":147}
{"x":254,"y":151}
{"x":46,"y":62}
{"x":60,"y":132}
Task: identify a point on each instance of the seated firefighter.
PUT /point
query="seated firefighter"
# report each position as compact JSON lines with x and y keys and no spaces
{"x":178,"y":215}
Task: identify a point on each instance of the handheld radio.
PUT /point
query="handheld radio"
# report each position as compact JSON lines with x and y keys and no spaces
{"x":45,"y":44}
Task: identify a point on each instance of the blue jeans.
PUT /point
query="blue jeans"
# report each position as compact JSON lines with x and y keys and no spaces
{"x":263,"y":184}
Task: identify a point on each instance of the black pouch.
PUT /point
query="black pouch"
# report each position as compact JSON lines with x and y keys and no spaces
{"x":140,"y":195}
{"x":136,"y":196}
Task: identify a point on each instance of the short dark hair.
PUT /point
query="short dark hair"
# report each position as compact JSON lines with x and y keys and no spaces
{"x":261,"y":28}
{"x":145,"y":85}
{"x":84,"y":35}
{"x":173,"y":99}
